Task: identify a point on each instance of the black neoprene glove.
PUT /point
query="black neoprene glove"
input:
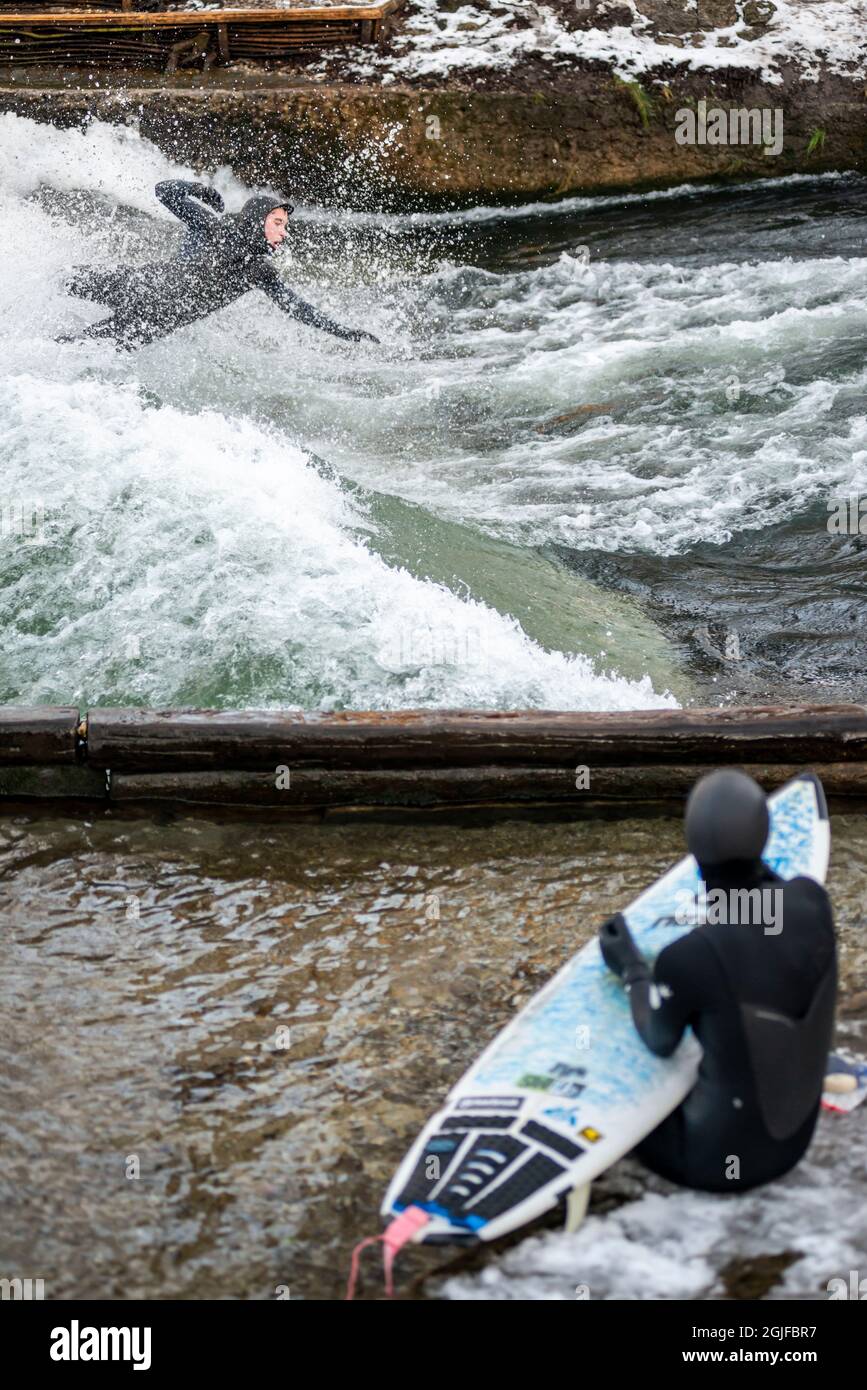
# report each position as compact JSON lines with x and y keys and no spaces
{"x":620,"y":952}
{"x":208,"y":195}
{"x":357,"y":335}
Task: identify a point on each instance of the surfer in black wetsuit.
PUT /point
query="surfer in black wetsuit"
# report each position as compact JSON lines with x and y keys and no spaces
{"x":759,"y":995}
{"x":221,"y":258}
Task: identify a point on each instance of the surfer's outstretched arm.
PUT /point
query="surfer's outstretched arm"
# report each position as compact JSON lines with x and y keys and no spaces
{"x":177,"y":195}
{"x":266,"y":279}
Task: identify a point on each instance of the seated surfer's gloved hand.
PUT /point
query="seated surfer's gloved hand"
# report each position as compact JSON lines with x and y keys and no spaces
{"x":620,"y":952}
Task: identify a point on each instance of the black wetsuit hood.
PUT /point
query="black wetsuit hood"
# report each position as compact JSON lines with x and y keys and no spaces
{"x":248,"y":225}
{"x":727,"y":821}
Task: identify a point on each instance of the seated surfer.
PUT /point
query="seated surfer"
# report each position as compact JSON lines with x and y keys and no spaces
{"x":221,"y":258}
{"x":759,"y":996}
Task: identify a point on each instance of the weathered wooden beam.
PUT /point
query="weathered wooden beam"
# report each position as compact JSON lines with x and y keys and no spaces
{"x":147,"y":40}
{"x":439,"y":788}
{"x":40,"y":736}
{"x":52,"y":784}
{"x":73,"y":42}
{"x":339,"y":787}
{"x":178,"y":18}
{"x":163,"y":740}
{"x":419,"y":758}
{"x":68,"y":7}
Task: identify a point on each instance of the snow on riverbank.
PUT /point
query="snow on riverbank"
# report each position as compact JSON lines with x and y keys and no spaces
{"x":498,"y":36}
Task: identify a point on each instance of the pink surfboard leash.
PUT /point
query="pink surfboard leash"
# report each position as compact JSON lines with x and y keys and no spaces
{"x":396,"y":1235}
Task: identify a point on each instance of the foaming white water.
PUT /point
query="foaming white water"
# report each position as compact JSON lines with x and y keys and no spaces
{"x":728,"y":409}
{"x":171,"y":549}
{"x":172,"y":557}
{"x":111,"y":160}
{"x":721,"y":405}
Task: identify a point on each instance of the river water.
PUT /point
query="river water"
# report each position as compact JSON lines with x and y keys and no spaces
{"x":220,"y":1039}
{"x":252,"y":513}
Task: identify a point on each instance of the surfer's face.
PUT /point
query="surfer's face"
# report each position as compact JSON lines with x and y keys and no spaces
{"x":275,"y":226}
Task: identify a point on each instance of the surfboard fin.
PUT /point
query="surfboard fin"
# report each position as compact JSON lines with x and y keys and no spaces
{"x":576,"y":1207}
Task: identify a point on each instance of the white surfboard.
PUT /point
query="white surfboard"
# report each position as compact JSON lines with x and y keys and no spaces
{"x":568,"y":1086}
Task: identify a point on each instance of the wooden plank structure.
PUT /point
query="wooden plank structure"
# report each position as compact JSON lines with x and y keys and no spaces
{"x":45,"y":736}
{"x":86,"y":32}
{"x":423,"y":760}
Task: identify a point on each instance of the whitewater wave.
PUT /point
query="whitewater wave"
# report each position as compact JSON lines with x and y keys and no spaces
{"x":723,"y":388}
{"x":192,"y":554}
{"x":168,"y":558}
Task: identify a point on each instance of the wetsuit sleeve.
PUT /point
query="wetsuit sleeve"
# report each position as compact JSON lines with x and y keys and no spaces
{"x":266,"y":279}
{"x":177,"y":196}
{"x":807,"y":912}
{"x":663,"y":1003}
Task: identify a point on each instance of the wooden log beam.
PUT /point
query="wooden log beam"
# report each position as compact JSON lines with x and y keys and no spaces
{"x":147,"y":44}
{"x":52,"y":784}
{"x":41,"y":736}
{"x":142,"y":49}
{"x":166,"y":740}
{"x":420,"y":759}
{"x":456,"y":788}
{"x":68,"y":7}
{"x":149,"y":20}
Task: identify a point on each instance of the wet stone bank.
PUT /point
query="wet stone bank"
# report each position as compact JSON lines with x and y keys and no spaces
{"x":367,"y":146}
